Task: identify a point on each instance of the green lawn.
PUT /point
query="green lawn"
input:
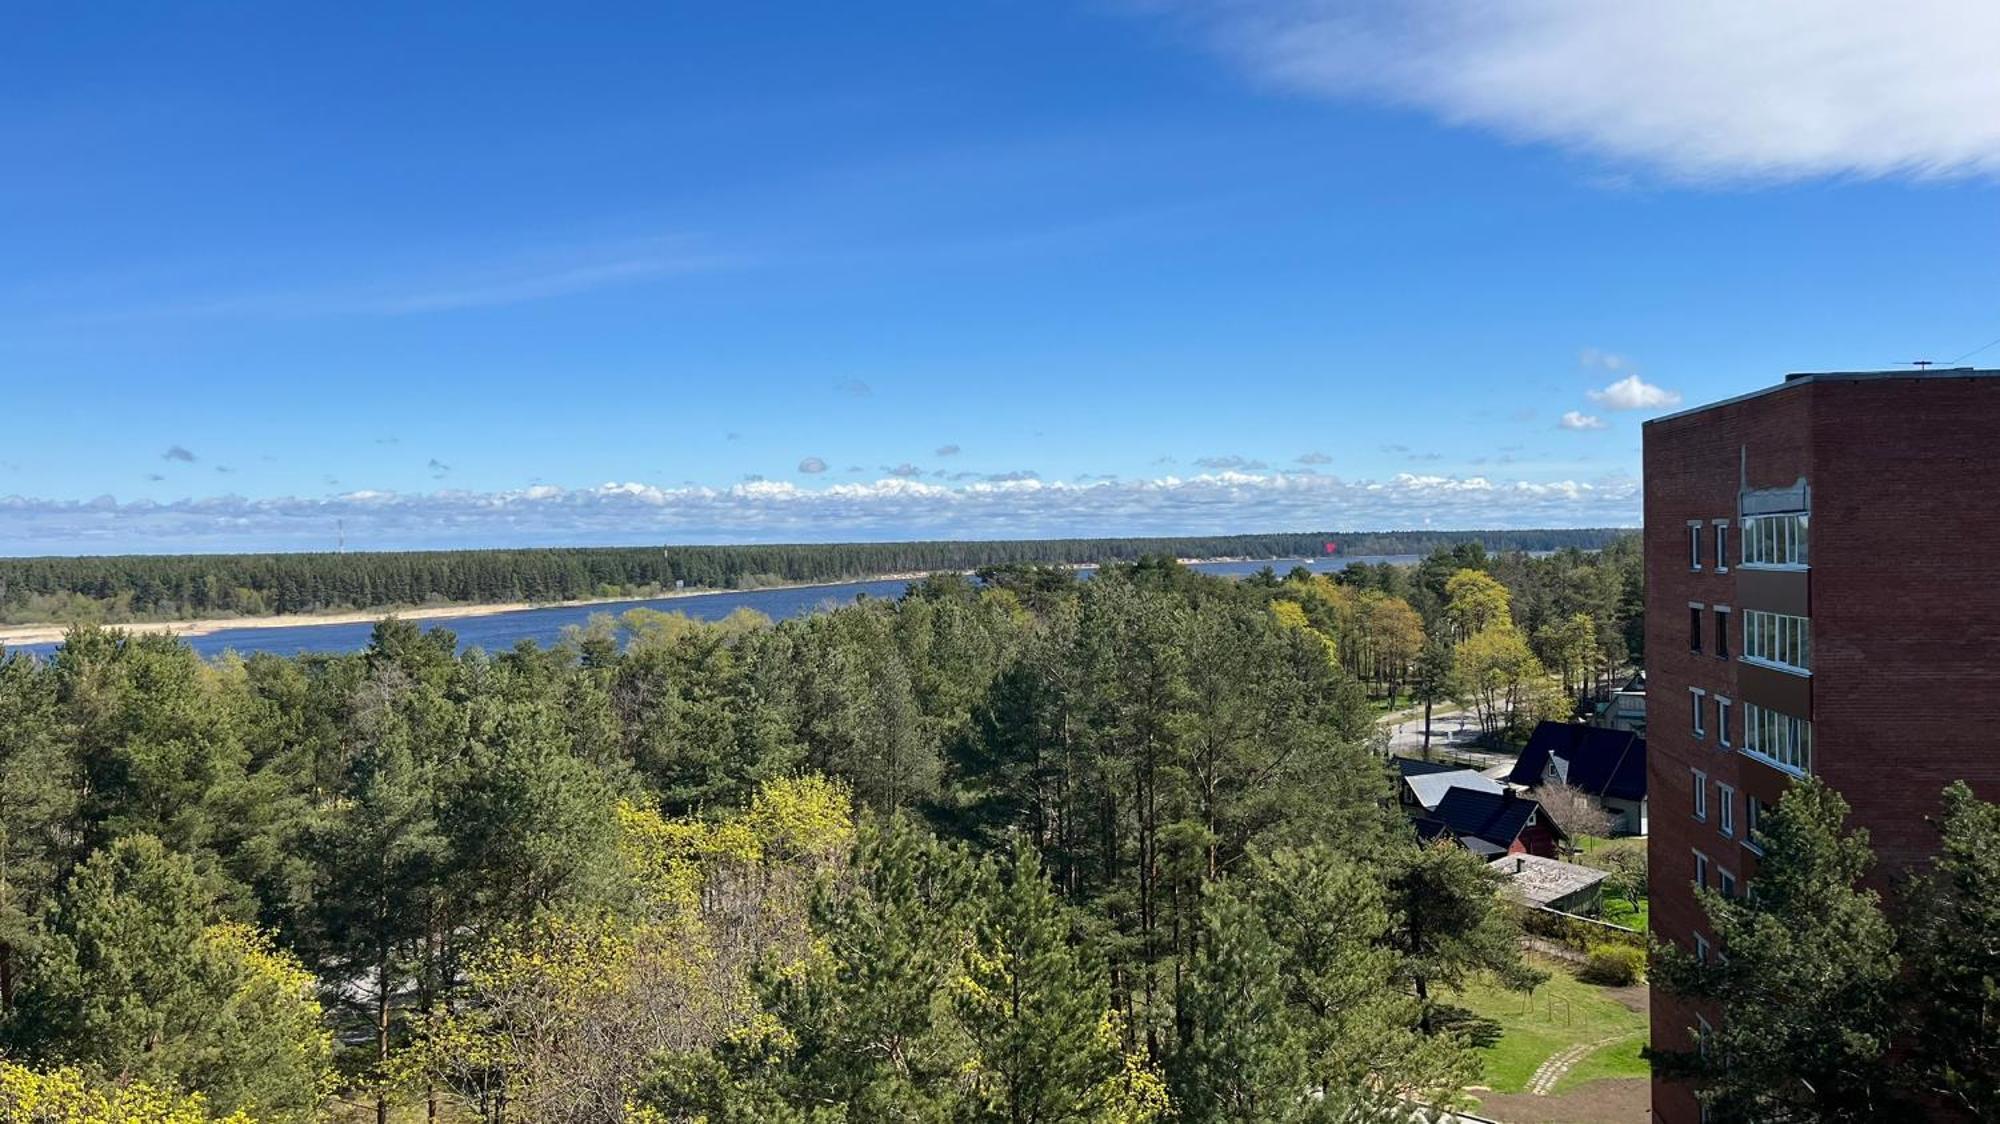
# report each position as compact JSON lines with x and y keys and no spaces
{"x":1561,"y":1013}
{"x":1622,"y":1059}
{"x":1595,"y":851}
{"x":1618,"y":911}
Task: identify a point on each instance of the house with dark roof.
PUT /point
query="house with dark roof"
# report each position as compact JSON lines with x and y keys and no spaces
{"x":1492,"y":824}
{"x":1608,"y":764}
{"x":1421,"y":784}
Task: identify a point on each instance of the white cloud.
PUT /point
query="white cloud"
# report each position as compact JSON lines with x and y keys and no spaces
{"x":812,"y":465}
{"x":1575,"y":419}
{"x":1635,"y":393}
{"x":1008,"y":505}
{"x":1698,"y":89}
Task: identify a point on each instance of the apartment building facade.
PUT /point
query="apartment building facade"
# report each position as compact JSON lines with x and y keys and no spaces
{"x":1822,"y":599}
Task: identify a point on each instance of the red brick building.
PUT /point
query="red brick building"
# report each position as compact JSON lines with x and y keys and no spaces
{"x":1822,"y":598}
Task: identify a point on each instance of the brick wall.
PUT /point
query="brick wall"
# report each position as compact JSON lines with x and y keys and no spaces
{"x":1905,"y":605}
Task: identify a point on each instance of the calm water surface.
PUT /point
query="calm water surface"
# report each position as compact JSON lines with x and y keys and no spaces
{"x":501,"y":630}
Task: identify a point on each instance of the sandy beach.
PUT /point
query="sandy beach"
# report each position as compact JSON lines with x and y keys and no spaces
{"x":51,"y":633}
{"x":20,"y":634}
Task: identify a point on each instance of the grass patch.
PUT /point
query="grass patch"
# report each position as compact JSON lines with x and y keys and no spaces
{"x":1561,"y":1013}
{"x":1624,"y":1058}
{"x":1618,"y":911}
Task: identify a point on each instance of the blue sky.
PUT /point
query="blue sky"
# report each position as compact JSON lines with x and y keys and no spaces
{"x":511,"y":274}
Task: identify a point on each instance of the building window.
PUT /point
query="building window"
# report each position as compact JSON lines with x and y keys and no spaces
{"x":1726,"y":883}
{"x":1778,"y":640}
{"x":1777,"y":541}
{"x":1722,"y":721}
{"x":1696,"y":694}
{"x":1700,"y":795}
{"x":1722,"y":631}
{"x":1701,"y":957}
{"x":1694,"y":627}
{"x":1722,"y":546}
{"x":1725,"y":798}
{"x":1694,"y":544}
{"x":1781,"y":739}
{"x":1753,"y":811}
{"x":1700,"y":870}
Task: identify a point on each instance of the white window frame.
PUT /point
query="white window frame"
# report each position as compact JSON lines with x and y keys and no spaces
{"x":1697,"y":694}
{"x":1750,"y":818}
{"x":1700,"y":810}
{"x":1776,"y":534}
{"x":1724,"y":620}
{"x":1725,"y":882}
{"x":1725,"y":796}
{"x":1701,"y":865}
{"x":1722,"y":706}
{"x":1694,"y":545}
{"x":1780,"y":641}
{"x":1701,"y":953}
{"x":1696,"y":627}
{"x":1780,"y":740}
{"x":1721,"y":533}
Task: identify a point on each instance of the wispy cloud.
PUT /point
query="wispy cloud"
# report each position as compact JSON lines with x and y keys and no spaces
{"x":542,"y":285}
{"x":1635,"y":393}
{"x":1576,"y":419}
{"x":1700,"y":90}
{"x":420,"y":287}
{"x":1229,"y":463}
{"x":1594,"y":359}
{"x":1314,"y":457}
{"x":853,"y":388}
{"x":812,"y":465}
{"x":178,"y":453}
{"x":947,"y":451}
{"x":904,"y":470}
{"x":1012,"y":505}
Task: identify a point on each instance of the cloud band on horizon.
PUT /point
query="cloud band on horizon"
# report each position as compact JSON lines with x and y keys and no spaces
{"x":778,"y":511}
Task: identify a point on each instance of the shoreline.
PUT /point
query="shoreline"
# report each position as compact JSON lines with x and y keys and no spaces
{"x":52,"y":632}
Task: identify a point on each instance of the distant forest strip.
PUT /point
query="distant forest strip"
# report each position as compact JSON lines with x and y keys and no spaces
{"x":123,"y":588}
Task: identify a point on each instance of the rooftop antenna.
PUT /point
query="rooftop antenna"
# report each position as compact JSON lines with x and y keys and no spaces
{"x":340,"y":532}
{"x":1921,"y":364}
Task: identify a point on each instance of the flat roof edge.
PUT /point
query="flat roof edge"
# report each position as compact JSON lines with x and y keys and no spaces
{"x":1807,"y":378}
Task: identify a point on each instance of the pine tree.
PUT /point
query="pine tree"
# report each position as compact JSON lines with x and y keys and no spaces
{"x":1328,"y":916}
{"x":1802,"y":980}
{"x":40,"y":792}
{"x":1432,"y":680}
{"x":1239,"y":1057}
{"x":377,"y":916}
{"x":1951,"y":940}
{"x":1447,"y":924}
{"x":138,"y":984}
{"x":1036,"y":1010}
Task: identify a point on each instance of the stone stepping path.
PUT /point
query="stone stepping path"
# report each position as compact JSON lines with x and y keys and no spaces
{"x":1543,"y":1082}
